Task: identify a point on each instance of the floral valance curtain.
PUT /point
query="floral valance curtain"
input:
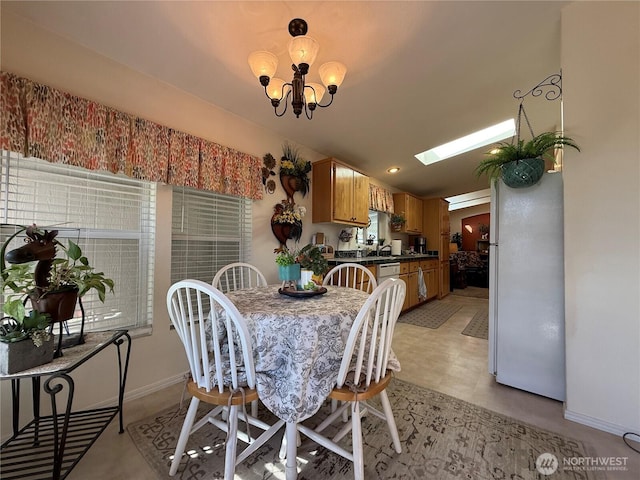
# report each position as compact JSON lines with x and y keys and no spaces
{"x":40,"y":121}
{"x":380,"y":199}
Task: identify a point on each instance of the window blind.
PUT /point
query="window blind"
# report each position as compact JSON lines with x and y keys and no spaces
{"x":209,"y":231}
{"x":111,"y":218}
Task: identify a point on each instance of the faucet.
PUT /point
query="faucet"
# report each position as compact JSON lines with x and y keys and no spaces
{"x":380,"y":249}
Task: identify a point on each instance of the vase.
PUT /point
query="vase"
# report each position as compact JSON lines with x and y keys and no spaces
{"x":289,"y":273}
{"x":23,"y":355}
{"x":522,"y":173}
{"x":306,"y":276}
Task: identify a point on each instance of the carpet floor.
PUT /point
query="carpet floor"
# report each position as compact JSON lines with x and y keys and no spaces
{"x":442,"y":438}
{"x":430,"y":315}
{"x":476,"y":292}
{"x":478,"y":326}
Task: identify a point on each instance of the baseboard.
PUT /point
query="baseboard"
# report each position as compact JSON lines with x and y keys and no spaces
{"x":596,"y":423}
{"x":142,"y":391}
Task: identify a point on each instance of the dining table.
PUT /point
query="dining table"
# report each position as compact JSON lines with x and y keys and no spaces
{"x":298,"y":344}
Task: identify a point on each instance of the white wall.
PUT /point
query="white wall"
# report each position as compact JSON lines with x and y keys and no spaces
{"x":158,"y":359}
{"x":601,"y":91}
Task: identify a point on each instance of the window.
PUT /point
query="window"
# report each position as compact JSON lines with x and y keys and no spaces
{"x":111,"y":218}
{"x":371,"y":231}
{"x":209,"y":231}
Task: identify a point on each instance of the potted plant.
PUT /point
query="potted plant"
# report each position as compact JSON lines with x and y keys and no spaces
{"x":288,"y":267}
{"x":312,"y":261}
{"x":55,"y":284}
{"x":25,"y":341}
{"x":521,"y":164}
{"x":397,"y":221}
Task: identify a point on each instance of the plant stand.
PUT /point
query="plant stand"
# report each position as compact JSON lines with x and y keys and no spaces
{"x":70,"y":340}
{"x":38,"y":450}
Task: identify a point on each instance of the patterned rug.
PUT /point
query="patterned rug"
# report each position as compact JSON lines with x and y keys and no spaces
{"x":430,"y":315}
{"x":478,"y":326}
{"x":442,"y":438}
{"x":476,"y":292}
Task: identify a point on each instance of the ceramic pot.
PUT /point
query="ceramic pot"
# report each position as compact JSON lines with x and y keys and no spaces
{"x":306,"y":276}
{"x":289,"y":273}
{"x":522,"y":173}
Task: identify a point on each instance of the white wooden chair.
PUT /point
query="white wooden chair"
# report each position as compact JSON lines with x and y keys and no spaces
{"x":363,"y":373}
{"x":238,"y":276}
{"x":219,"y":350}
{"x":351,"y":275}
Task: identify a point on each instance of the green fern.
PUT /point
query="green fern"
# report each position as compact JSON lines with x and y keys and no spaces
{"x":540,"y":146}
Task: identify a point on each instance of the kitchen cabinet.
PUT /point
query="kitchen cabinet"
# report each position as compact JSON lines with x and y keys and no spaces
{"x":409,"y":273}
{"x":363,"y":280}
{"x":430,"y":271}
{"x":404,"y":276}
{"x":413,"y":211}
{"x":340,"y":194}
{"x":436,"y":227}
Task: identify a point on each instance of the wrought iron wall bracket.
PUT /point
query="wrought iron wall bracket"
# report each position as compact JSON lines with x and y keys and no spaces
{"x":552,"y":84}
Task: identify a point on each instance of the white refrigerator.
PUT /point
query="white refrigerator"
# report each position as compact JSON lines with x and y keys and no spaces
{"x":526,"y":287}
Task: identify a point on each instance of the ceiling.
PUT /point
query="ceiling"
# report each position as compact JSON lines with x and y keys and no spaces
{"x":419,"y":73}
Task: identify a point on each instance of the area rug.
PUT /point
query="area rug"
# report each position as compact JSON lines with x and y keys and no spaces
{"x":478,"y":326}
{"x":430,"y":315}
{"x":442,"y":438}
{"x":476,"y":292}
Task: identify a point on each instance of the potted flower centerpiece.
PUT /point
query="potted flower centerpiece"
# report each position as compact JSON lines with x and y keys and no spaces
{"x":313,"y":264}
{"x":521,"y":164}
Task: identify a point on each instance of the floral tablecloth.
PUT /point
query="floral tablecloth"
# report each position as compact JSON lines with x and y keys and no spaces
{"x":298,"y":345}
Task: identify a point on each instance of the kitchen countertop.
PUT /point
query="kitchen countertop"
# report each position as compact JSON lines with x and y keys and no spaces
{"x":382,"y":259}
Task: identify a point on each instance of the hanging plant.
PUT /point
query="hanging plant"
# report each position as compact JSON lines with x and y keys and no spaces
{"x":294,"y":172}
{"x":397,"y":221}
{"x":509,"y":160}
{"x":520,"y":163}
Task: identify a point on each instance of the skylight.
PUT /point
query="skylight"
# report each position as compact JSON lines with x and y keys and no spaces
{"x":470,"y":142}
{"x":470,"y":199}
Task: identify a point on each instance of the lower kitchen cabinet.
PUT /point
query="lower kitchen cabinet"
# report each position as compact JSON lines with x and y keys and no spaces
{"x":409,"y":274}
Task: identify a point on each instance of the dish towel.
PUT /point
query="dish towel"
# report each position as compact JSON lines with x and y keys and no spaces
{"x":422,"y":287}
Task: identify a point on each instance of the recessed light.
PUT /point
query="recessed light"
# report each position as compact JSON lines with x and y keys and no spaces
{"x":393,"y":170}
{"x":470,"y":142}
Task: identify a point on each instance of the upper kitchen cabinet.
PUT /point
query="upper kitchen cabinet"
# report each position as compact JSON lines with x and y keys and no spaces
{"x":412,"y":208}
{"x":340,"y":194}
{"x":436,"y":220}
{"x":437,"y":230}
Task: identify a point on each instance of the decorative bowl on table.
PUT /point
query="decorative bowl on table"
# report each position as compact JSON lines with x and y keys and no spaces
{"x":302,"y":293}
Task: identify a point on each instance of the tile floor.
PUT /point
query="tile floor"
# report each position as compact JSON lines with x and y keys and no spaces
{"x":441,"y":359}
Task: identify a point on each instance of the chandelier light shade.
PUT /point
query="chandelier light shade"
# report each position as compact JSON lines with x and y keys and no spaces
{"x":263,"y":64}
{"x":303,"y":51}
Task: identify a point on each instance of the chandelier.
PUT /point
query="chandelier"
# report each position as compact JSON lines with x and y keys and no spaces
{"x":304,"y":96}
